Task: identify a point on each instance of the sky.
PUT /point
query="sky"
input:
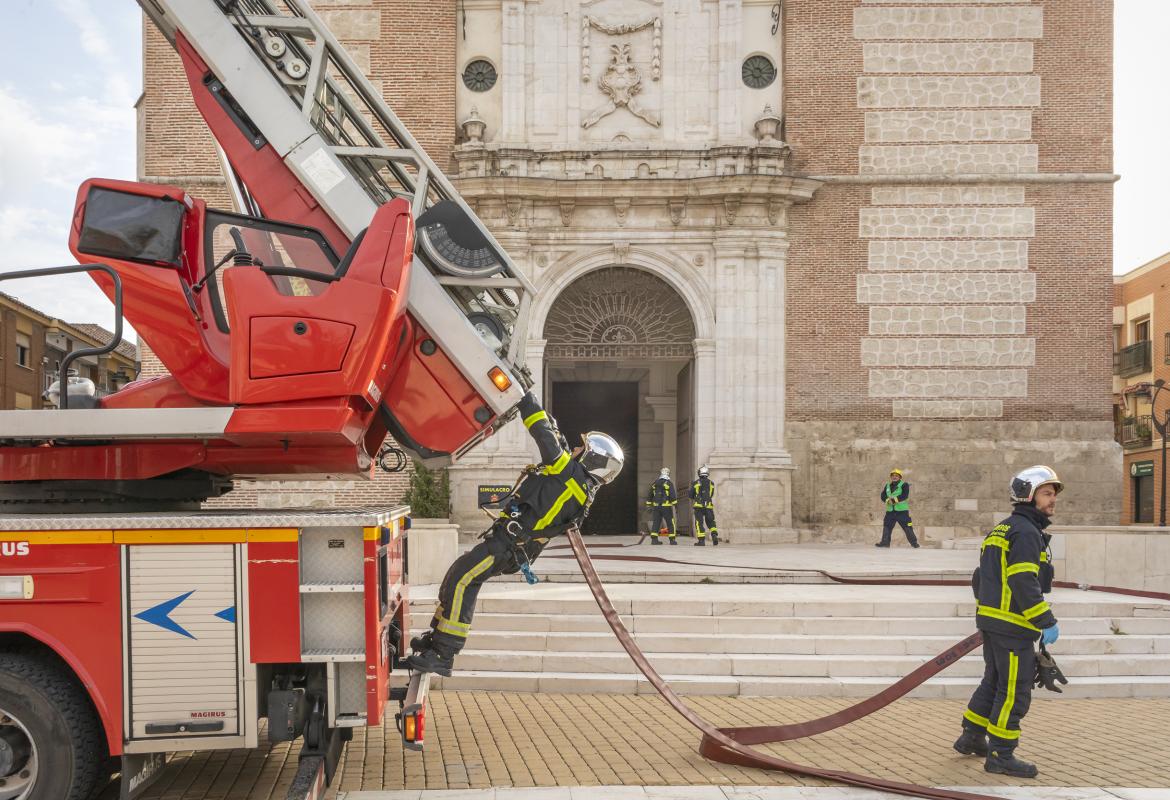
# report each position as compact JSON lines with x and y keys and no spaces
{"x":71,"y":70}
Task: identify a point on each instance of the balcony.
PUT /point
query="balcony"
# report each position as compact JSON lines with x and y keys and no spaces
{"x":1132,"y":360}
{"x":1136,"y":432}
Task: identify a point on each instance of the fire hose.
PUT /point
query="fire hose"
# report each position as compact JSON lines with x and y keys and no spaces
{"x":731,"y":745}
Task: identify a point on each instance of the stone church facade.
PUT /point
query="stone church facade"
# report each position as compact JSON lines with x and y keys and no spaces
{"x":800,"y":242}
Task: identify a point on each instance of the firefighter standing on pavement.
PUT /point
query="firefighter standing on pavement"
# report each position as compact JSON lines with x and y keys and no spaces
{"x":1014,"y":572}
{"x":896,"y":496}
{"x":545,"y":502}
{"x":703,"y":502}
{"x":661,"y":499}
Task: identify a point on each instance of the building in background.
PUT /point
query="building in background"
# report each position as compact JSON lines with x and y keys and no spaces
{"x":1141,"y":356}
{"x":798,"y":242}
{"x":33,"y":346}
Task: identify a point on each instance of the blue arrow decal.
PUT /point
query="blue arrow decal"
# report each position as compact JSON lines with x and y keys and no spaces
{"x":228,"y":614}
{"x":160,"y":615}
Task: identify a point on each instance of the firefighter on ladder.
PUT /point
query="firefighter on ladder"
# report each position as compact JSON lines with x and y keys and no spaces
{"x":661,"y":500}
{"x":703,"y":503}
{"x":546,"y":501}
{"x":1014,"y":573}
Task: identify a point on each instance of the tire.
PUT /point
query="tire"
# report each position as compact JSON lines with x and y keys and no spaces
{"x":58,"y":717}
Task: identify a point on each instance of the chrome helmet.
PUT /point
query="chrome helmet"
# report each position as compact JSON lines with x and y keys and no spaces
{"x":601,"y":456}
{"x":1026,"y":482}
{"x":704,"y":471}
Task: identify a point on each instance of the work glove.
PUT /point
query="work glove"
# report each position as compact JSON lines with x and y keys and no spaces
{"x":1048,"y":674}
{"x":1049,"y":634}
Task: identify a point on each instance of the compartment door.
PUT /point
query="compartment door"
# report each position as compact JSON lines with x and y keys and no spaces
{"x":183,"y":643}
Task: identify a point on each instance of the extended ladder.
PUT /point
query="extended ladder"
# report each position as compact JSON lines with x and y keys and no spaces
{"x":287,"y":83}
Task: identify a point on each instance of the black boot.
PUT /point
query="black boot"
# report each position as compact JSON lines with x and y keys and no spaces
{"x":714,"y":539}
{"x":655,"y":540}
{"x":700,"y":543}
{"x":882,"y":544}
{"x":1004,"y":762}
{"x":971,"y":743}
{"x":673,"y":540}
{"x":431,"y":660}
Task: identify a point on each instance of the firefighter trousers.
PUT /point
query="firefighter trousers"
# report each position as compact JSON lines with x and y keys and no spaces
{"x":495,"y":555}
{"x":705,"y":521}
{"x":1003,"y":697}
{"x":662,"y":517}
{"x":898,"y":518}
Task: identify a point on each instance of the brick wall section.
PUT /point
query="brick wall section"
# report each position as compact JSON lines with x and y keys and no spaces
{"x":1070,"y":256}
{"x":415,"y":61}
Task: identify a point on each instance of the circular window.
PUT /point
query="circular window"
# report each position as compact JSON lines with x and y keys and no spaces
{"x":758,"y":72}
{"x":479,"y":75}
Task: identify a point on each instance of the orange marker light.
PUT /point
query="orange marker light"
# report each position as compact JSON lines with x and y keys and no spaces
{"x":501,"y":380}
{"x":409,"y":732}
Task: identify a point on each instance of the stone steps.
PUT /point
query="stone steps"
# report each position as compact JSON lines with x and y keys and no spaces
{"x":785,"y":640}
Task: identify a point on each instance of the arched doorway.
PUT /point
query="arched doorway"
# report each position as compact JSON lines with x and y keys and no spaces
{"x":618,"y":358}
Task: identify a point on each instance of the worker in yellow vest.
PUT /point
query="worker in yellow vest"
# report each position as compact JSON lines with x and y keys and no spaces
{"x":896,"y":496}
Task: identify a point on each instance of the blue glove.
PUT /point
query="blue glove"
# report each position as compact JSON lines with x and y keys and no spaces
{"x":1050,"y":635}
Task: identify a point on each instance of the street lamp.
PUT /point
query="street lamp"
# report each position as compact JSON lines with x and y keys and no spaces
{"x":1159,"y":385}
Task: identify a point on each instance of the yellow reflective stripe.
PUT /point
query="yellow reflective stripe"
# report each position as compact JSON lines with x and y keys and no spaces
{"x":181,"y":536}
{"x":274,"y":535}
{"x":971,"y":716}
{"x":558,"y":466}
{"x":1000,"y":729}
{"x":572,"y":489}
{"x":1005,"y":592}
{"x":1005,"y":616}
{"x":996,"y":540}
{"x":58,"y":537}
{"x":532,"y":419}
{"x":1023,"y":566}
{"x":1036,"y":610}
{"x":453,"y":628}
{"x":1002,"y":733}
{"x":1043,"y":557}
{"x":468,"y":577}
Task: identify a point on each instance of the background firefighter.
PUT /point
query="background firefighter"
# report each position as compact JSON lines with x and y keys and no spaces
{"x":896,"y":496}
{"x":1014,"y":572}
{"x":545,"y":502}
{"x":661,"y":500}
{"x":703,"y":503}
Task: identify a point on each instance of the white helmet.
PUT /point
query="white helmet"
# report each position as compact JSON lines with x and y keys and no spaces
{"x":601,"y":456}
{"x":704,"y":471}
{"x":665,"y":473}
{"x":1025,"y":483}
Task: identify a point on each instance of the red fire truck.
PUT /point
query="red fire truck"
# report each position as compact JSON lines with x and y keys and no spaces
{"x":349,"y":294}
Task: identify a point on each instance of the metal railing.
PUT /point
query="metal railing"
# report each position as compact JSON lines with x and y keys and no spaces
{"x":1133,"y":360}
{"x":1136,"y":431}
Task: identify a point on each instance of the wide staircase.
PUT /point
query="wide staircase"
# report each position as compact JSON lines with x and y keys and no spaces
{"x":785,"y":640}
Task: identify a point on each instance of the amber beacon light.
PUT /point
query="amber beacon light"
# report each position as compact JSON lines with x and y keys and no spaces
{"x":501,"y":380}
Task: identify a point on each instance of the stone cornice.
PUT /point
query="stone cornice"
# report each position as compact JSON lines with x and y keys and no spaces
{"x":785,"y":188}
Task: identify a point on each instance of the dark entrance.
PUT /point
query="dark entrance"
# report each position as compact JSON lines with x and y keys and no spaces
{"x":581,"y":407}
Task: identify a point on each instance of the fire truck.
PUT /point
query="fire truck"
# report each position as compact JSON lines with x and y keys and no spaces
{"x":348,"y":295}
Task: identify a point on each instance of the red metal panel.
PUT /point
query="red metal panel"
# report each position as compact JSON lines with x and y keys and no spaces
{"x":281,"y":346}
{"x":274,"y":602}
{"x":75,"y":610}
{"x":128,"y":461}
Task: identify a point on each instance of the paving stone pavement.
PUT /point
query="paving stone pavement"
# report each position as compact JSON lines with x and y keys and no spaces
{"x":480,"y":740}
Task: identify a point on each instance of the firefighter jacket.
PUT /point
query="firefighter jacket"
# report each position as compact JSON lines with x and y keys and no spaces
{"x":558,"y":491}
{"x":1014,"y":572}
{"x":896,"y":496}
{"x":703,"y":493}
{"x":661,"y":494}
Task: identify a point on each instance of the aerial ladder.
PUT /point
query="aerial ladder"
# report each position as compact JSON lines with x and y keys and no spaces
{"x":351,"y":294}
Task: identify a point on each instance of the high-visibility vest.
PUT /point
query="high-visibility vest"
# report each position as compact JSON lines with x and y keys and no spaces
{"x":894,"y":491}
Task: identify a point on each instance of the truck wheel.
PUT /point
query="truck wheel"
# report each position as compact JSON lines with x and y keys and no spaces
{"x":51,"y":743}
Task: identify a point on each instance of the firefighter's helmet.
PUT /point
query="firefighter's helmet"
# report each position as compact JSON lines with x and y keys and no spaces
{"x":601,"y":456}
{"x":1026,"y":482}
{"x":704,"y":471}
{"x":897,"y":472}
